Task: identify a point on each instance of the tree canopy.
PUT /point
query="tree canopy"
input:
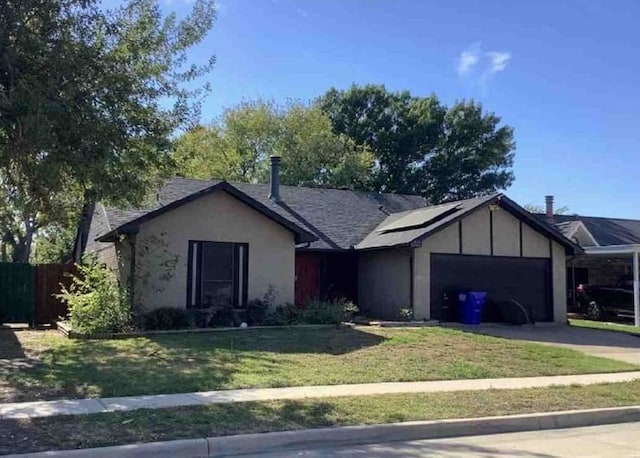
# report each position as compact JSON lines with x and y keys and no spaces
{"x":420,"y":145}
{"x":237,"y":147}
{"x":88,"y":101}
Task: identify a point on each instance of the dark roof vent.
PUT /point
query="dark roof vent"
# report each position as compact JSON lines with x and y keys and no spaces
{"x":274,"y":191}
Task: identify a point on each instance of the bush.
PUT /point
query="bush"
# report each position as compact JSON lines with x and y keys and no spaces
{"x":315,"y":312}
{"x":405,"y":314}
{"x":257,"y":309}
{"x":350,"y":309}
{"x":283,"y":315}
{"x":320,"y":312}
{"x":166,"y":318}
{"x":96,"y":303}
{"x":223,"y":317}
{"x":256,"y":312}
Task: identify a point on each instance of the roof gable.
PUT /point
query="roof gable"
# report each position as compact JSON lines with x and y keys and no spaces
{"x":605,"y":231}
{"x":383,"y":239}
{"x":141,"y":216}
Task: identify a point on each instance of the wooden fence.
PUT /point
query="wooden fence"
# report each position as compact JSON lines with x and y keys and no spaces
{"x":28,"y":292}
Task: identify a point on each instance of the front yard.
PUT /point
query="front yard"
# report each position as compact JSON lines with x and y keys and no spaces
{"x":605,"y":326}
{"x":39,"y":365}
{"x":69,"y":432}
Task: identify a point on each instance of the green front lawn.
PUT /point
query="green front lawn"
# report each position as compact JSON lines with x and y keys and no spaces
{"x":44,"y":365}
{"x":617,"y":327}
{"x":70,"y":432}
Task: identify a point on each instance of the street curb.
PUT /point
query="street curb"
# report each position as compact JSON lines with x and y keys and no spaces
{"x":355,"y":435}
{"x":416,"y":430}
{"x":169,"y":449}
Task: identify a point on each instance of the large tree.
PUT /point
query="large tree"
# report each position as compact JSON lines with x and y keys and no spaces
{"x":238,"y":145}
{"x":88,"y":101}
{"x":422,"y":146}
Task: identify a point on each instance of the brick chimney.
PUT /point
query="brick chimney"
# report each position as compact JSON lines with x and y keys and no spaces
{"x":548,"y":200}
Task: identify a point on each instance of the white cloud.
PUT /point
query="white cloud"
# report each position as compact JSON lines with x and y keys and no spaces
{"x":481,"y":66}
{"x":498,"y":61}
{"x":468,"y":59}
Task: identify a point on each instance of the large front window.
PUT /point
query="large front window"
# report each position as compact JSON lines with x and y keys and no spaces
{"x":217,"y":274}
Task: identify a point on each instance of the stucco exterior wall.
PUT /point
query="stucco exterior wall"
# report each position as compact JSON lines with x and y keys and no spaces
{"x":476,"y":236}
{"x":384,"y":282}
{"x":476,"y":240}
{"x":534,"y":244}
{"x":217,"y":217}
{"x":506,"y":234}
{"x":559,"y":279}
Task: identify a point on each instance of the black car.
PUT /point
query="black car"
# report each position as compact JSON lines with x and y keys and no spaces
{"x":598,"y":302}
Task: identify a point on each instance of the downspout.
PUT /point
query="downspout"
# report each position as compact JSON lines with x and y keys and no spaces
{"x":412,"y":282}
{"x":636,"y":287}
{"x":574,"y":299}
{"x":131,"y":238}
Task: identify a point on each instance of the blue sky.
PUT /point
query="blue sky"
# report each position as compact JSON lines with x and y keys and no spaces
{"x":564,"y":74}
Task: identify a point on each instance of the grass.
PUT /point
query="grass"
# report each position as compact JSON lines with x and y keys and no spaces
{"x":617,"y":327}
{"x":44,"y":365}
{"x":67,"y":432}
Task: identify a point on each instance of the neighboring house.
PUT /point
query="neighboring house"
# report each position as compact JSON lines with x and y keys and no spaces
{"x":610,"y":245}
{"x":199,"y":243}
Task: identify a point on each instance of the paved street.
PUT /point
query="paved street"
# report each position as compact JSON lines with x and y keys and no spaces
{"x":595,"y":441}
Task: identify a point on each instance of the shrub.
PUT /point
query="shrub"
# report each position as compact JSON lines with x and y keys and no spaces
{"x":350,"y":309}
{"x":257,"y":309}
{"x":256,"y":312}
{"x":405,"y":314}
{"x":222,"y":317}
{"x":321,"y":312}
{"x":96,"y":303}
{"x":314,"y":312}
{"x":283,"y":315}
{"x":166,"y":318}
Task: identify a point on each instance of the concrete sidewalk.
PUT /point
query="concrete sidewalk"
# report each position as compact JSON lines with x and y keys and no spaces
{"x":99,"y":405}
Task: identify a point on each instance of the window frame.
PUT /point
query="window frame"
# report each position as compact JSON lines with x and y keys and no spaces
{"x":240,"y":275}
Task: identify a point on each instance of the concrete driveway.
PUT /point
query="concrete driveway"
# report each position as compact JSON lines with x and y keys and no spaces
{"x":606,"y":344}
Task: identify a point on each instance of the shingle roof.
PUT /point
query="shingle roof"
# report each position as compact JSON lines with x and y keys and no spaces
{"x":606,"y":231}
{"x":339,"y":218}
{"x":380,"y":239}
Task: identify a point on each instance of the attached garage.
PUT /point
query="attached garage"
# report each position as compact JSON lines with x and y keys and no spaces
{"x":525,"y":280}
{"x":489,"y":244}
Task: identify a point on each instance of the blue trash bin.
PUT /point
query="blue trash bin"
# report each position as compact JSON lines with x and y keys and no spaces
{"x":471,"y":304}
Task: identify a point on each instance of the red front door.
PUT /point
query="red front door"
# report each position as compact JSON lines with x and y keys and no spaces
{"x":307,"y":277}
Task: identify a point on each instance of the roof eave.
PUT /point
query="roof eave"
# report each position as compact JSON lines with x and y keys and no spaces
{"x":613,"y":249}
{"x":301,"y":235}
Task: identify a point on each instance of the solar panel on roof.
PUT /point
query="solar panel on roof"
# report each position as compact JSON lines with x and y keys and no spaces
{"x":418,"y":218}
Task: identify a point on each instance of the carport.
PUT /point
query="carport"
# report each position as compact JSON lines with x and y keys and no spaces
{"x":627,"y":251}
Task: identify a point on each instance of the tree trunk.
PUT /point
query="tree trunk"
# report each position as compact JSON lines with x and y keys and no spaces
{"x":22,"y":249}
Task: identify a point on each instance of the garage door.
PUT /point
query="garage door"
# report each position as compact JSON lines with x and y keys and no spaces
{"x":526,"y":280}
